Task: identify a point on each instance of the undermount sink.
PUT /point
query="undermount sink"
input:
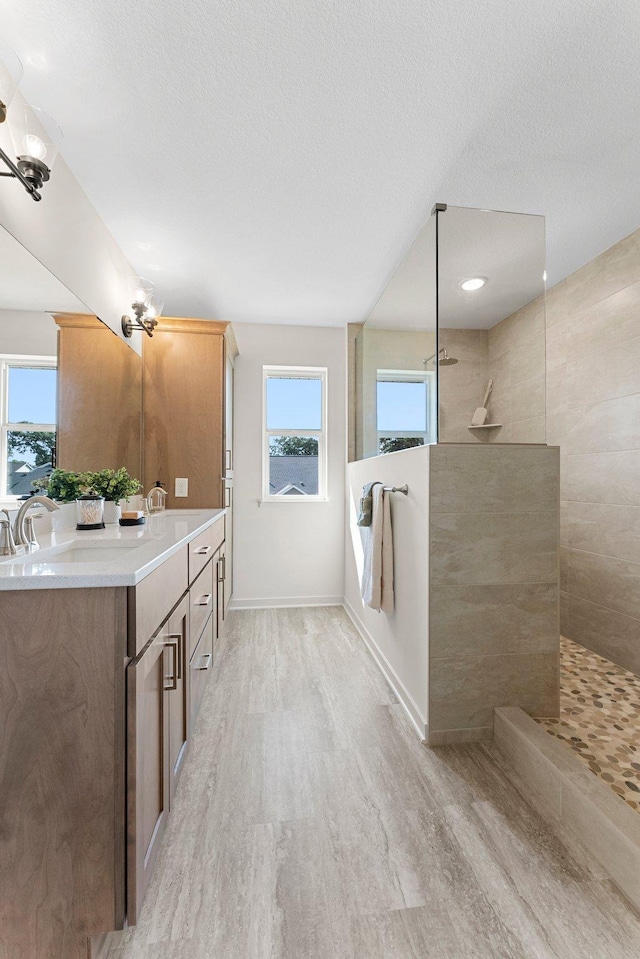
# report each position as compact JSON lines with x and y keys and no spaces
{"x":74,"y":553}
{"x":87,"y":554}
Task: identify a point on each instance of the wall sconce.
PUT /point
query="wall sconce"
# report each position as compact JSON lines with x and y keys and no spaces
{"x":146,"y":307}
{"x":34,"y":135}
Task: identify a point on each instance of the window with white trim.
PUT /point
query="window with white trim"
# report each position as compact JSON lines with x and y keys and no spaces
{"x":405,"y":409}
{"x":294,"y":449}
{"x":27,"y":421}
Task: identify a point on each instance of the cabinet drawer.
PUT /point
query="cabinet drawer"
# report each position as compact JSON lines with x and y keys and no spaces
{"x":151,"y":601}
{"x":200,"y":671}
{"x":202,"y":548}
{"x":201,"y":604}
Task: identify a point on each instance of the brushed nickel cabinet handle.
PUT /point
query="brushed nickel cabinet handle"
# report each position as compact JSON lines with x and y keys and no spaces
{"x":203,"y":550}
{"x":227,"y":497}
{"x":221,"y":566}
{"x":207,"y":657}
{"x":204,"y":600}
{"x":228,"y":460}
{"x":173,"y":678}
{"x":177,"y":639}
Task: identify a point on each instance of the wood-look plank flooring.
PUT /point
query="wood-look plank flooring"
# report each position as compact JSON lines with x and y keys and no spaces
{"x":311,"y":823}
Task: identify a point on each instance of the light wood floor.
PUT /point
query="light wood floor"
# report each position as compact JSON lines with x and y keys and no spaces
{"x":311,"y":822}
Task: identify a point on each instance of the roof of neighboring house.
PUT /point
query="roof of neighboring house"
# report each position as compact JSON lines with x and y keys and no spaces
{"x":293,"y":475}
{"x":21,"y":483}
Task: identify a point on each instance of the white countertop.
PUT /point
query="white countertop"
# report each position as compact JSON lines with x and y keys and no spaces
{"x":143,"y":549}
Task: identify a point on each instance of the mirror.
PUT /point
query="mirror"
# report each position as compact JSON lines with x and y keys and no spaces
{"x":70,"y":389}
{"x":454,"y":349}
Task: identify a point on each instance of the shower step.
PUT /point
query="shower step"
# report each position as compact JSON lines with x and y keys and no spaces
{"x":567,"y":793}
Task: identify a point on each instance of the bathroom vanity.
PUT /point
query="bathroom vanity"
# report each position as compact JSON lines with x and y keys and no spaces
{"x":107,"y":642}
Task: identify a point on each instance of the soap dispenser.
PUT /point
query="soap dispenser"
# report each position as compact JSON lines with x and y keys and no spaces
{"x":156,"y":498}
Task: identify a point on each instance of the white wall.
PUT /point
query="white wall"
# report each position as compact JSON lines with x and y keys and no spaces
{"x":287,"y":553}
{"x":31,"y":334}
{"x":399,"y":641}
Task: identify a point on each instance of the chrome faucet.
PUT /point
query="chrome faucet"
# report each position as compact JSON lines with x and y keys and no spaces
{"x":19,"y":533}
{"x":7,"y":544}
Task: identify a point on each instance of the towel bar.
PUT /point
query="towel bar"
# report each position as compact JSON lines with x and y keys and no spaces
{"x":397,"y":489}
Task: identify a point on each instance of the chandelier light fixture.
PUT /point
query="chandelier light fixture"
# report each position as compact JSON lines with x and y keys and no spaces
{"x":146,"y":306}
{"x":35,"y":136}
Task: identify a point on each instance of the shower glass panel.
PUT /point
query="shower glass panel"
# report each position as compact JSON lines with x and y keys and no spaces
{"x":491,"y":319}
{"x":454,"y":349}
{"x":393,"y":374}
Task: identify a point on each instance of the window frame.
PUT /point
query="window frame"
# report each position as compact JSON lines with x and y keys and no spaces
{"x":428,"y":377}
{"x":26,"y":361}
{"x":301,"y":373}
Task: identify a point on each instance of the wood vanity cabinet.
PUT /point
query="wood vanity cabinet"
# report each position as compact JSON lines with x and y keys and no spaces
{"x":157,"y":735}
{"x":166,"y":682}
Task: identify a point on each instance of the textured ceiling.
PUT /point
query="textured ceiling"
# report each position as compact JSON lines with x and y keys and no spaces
{"x":272,"y":161}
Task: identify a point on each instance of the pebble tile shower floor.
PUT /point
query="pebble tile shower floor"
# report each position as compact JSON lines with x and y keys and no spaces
{"x":600,"y":718}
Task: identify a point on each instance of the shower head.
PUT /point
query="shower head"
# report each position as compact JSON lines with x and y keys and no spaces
{"x":444,"y":358}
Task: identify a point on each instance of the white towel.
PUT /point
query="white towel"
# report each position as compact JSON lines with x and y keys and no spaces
{"x":377,"y":572}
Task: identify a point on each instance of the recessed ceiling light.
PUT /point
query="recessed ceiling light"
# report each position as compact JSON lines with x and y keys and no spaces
{"x":473,"y":283}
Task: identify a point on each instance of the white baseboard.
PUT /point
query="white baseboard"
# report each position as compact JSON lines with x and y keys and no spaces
{"x":280,"y":602}
{"x":404,"y":697}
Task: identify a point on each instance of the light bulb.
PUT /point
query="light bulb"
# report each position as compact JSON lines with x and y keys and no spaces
{"x":34,"y":147}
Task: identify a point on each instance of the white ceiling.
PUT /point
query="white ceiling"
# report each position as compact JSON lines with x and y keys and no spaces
{"x":25,"y":284}
{"x":272,"y":161}
{"x":506,"y":249}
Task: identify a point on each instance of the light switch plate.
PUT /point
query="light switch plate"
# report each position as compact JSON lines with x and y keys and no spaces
{"x":182,"y":487}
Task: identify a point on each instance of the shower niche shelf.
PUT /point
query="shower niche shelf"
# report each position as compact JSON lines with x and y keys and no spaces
{"x":486,"y":426}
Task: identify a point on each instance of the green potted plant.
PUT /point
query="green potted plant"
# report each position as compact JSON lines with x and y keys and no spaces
{"x":114,"y":485}
{"x":64,"y":486}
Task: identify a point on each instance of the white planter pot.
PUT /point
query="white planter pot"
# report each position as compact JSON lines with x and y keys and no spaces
{"x":112,"y":512}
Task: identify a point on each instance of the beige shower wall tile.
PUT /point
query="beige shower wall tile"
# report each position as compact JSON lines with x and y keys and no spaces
{"x":612,"y":477}
{"x":528,"y":360}
{"x":528,"y":322}
{"x":493,"y":620}
{"x":609,"y":374}
{"x":602,"y":528}
{"x":528,"y":398}
{"x":499,"y":340}
{"x":463,"y":692}
{"x":612,"y":320}
{"x":557,"y":399}
{"x":611,"y":271}
{"x":493,"y":479}
{"x":556,"y":428}
{"x":606,"y":632}
{"x":493,"y":548}
{"x":563,"y":558}
{"x":605,"y":581}
{"x":529,"y":431}
{"x":465,"y":344}
{"x":607,"y":426}
{"x":556,"y":345}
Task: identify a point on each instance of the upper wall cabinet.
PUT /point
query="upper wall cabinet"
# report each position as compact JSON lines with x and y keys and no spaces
{"x":99,"y":398}
{"x":184,"y":411}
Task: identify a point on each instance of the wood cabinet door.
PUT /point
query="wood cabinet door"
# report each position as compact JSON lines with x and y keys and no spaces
{"x":147,"y":768}
{"x":176,"y":637}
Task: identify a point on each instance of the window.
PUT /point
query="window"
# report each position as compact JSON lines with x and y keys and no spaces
{"x":27,"y":421}
{"x":294,"y":443}
{"x":405,"y":409}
